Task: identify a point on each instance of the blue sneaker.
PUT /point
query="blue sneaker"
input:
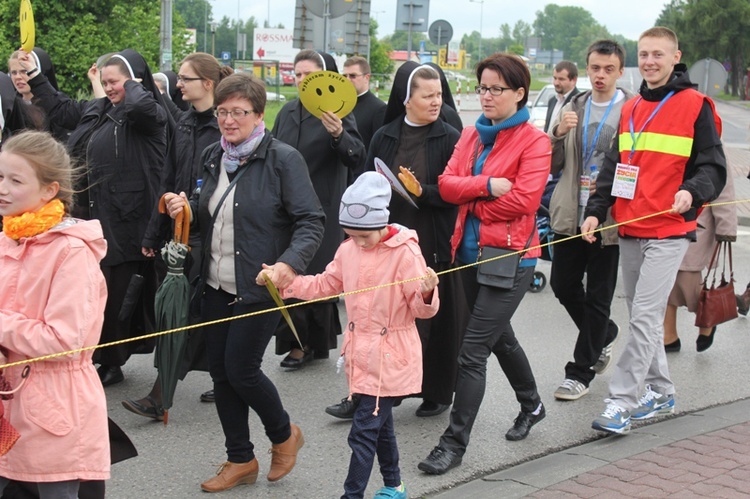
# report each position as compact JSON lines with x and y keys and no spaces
{"x":392,"y":492}
{"x":653,"y":404}
{"x":614,"y":419}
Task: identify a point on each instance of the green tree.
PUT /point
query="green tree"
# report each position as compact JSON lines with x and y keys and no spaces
{"x":399,"y":40}
{"x":75,"y":33}
{"x":196,"y":14}
{"x":380,"y":60}
{"x":570,"y":29}
{"x":712,"y":28}
{"x":521,"y":31}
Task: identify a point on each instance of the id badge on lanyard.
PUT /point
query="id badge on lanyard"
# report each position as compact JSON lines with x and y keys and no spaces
{"x":625,"y":181}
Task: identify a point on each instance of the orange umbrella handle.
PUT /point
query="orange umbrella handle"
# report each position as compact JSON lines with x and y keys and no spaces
{"x":181,"y":229}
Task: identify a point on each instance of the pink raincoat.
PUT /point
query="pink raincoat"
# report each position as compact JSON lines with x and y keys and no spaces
{"x":382,"y":349}
{"x":52,"y":300}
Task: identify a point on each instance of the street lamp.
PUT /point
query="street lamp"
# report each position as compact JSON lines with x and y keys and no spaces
{"x":213,"y":24}
{"x":481,"y":17}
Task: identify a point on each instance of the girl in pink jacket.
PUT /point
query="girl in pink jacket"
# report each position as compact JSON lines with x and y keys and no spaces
{"x":52,"y":300}
{"x":382,"y":350}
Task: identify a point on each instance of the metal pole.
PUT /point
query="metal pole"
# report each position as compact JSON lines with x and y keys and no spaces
{"x":238,"y":29}
{"x":326,"y":25}
{"x":166,"y":35}
{"x":408,"y":45}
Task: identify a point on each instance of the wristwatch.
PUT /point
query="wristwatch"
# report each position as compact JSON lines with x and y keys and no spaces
{"x":31,"y":72}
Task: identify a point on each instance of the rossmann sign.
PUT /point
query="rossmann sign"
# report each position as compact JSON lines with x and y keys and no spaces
{"x":274,"y":44}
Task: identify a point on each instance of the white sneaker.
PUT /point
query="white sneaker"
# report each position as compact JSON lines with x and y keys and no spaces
{"x":614,"y":419}
{"x":653,"y":404}
{"x":571,"y":389}
{"x":605,"y":358}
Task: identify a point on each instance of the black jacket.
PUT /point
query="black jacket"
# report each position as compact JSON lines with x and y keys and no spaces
{"x":441,"y":140}
{"x":369,"y":113}
{"x":183,"y":165}
{"x":277,"y":216}
{"x":328,"y":162}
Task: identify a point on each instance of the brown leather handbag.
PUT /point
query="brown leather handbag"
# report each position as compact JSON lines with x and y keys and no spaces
{"x":717,"y":304}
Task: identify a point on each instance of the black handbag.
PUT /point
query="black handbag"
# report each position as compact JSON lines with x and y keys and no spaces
{"x":199,"y":283}
{"x":500,"y":271}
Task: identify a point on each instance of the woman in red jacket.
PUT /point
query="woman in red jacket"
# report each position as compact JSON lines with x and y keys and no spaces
{"x":496,"y":175}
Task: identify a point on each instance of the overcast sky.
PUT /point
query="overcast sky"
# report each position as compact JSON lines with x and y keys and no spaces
{"x":629,"y":18}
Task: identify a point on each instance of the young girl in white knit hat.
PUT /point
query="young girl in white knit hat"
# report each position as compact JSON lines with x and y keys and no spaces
{"x":382,"y":350}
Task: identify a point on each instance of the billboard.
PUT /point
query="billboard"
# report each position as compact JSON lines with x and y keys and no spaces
{"x":274,"y":45}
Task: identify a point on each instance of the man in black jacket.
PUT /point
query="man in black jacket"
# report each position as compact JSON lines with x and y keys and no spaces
{"x":370,"y":110}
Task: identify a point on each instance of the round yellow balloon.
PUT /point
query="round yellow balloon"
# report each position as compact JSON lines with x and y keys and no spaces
{"x":327,"y":91}
{"x":26,"y":20}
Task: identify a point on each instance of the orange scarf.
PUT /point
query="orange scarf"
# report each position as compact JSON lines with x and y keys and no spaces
{"x":30,"y":224}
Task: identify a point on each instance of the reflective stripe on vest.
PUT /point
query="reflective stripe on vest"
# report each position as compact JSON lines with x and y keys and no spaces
{"x":658,"y":142}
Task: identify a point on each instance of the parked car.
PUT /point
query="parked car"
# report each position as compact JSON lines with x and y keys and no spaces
{"x":273,"y":96}
{"x":285,"y":78}
{"x":538,"y":109}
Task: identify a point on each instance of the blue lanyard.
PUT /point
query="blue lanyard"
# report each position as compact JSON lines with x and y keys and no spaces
{"x":632,"y":126}
{"x":587,"y":153}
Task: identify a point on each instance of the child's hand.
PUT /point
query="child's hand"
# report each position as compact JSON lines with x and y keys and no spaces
{"x":428,"y":282}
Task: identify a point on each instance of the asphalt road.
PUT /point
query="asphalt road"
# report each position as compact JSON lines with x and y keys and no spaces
{"x":175,"y":459}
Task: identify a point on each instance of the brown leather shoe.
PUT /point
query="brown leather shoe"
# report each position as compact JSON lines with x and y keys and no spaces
{"x":285,"y":455}
{"x":230,"y":475}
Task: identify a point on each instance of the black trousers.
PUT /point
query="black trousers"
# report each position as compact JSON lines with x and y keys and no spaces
{"x":489,"y":332}
{"x":235,"y":353}
{"x":589,"y":308}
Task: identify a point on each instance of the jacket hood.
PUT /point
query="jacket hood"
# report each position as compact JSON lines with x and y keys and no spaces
{"x":87,"y":231}
{"x":403,"y":237}
{"x":679,"y":80}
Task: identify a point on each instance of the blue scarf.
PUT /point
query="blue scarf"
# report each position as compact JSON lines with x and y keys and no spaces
{"x":469,"y":247}
{"x":234,"y":155}
{"x":488,"y":131}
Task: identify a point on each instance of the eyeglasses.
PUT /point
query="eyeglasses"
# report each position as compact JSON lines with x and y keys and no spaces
{"x":494,"y":91}
{"x":17,"y":72}
{"x":237,"y":114}
{"x":357,"y":210}
{"x":184,"y":79}
{"x":353,"y":76}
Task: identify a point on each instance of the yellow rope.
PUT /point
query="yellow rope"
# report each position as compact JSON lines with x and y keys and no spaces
{"x":342,"y":295}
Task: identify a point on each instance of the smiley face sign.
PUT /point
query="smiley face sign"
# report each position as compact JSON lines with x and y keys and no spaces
{"x":26,"y":21}
{"x":327,"y":91}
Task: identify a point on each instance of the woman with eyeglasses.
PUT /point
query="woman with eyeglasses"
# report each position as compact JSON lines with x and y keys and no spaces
{"x":195,"y":129}
{"x":256,"y":207}
{"x":122,"y":139}
{"x":332,"y":147}
{"x":496,"y":176}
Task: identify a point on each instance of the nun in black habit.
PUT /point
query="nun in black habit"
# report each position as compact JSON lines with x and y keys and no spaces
{"x":122,"y":139}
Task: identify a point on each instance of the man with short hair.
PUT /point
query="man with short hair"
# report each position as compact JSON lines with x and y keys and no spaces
{"x":369,"y":111}
{"x":667,"y":156}
{"x":564,"y":79}
{"x":581,"y":136}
